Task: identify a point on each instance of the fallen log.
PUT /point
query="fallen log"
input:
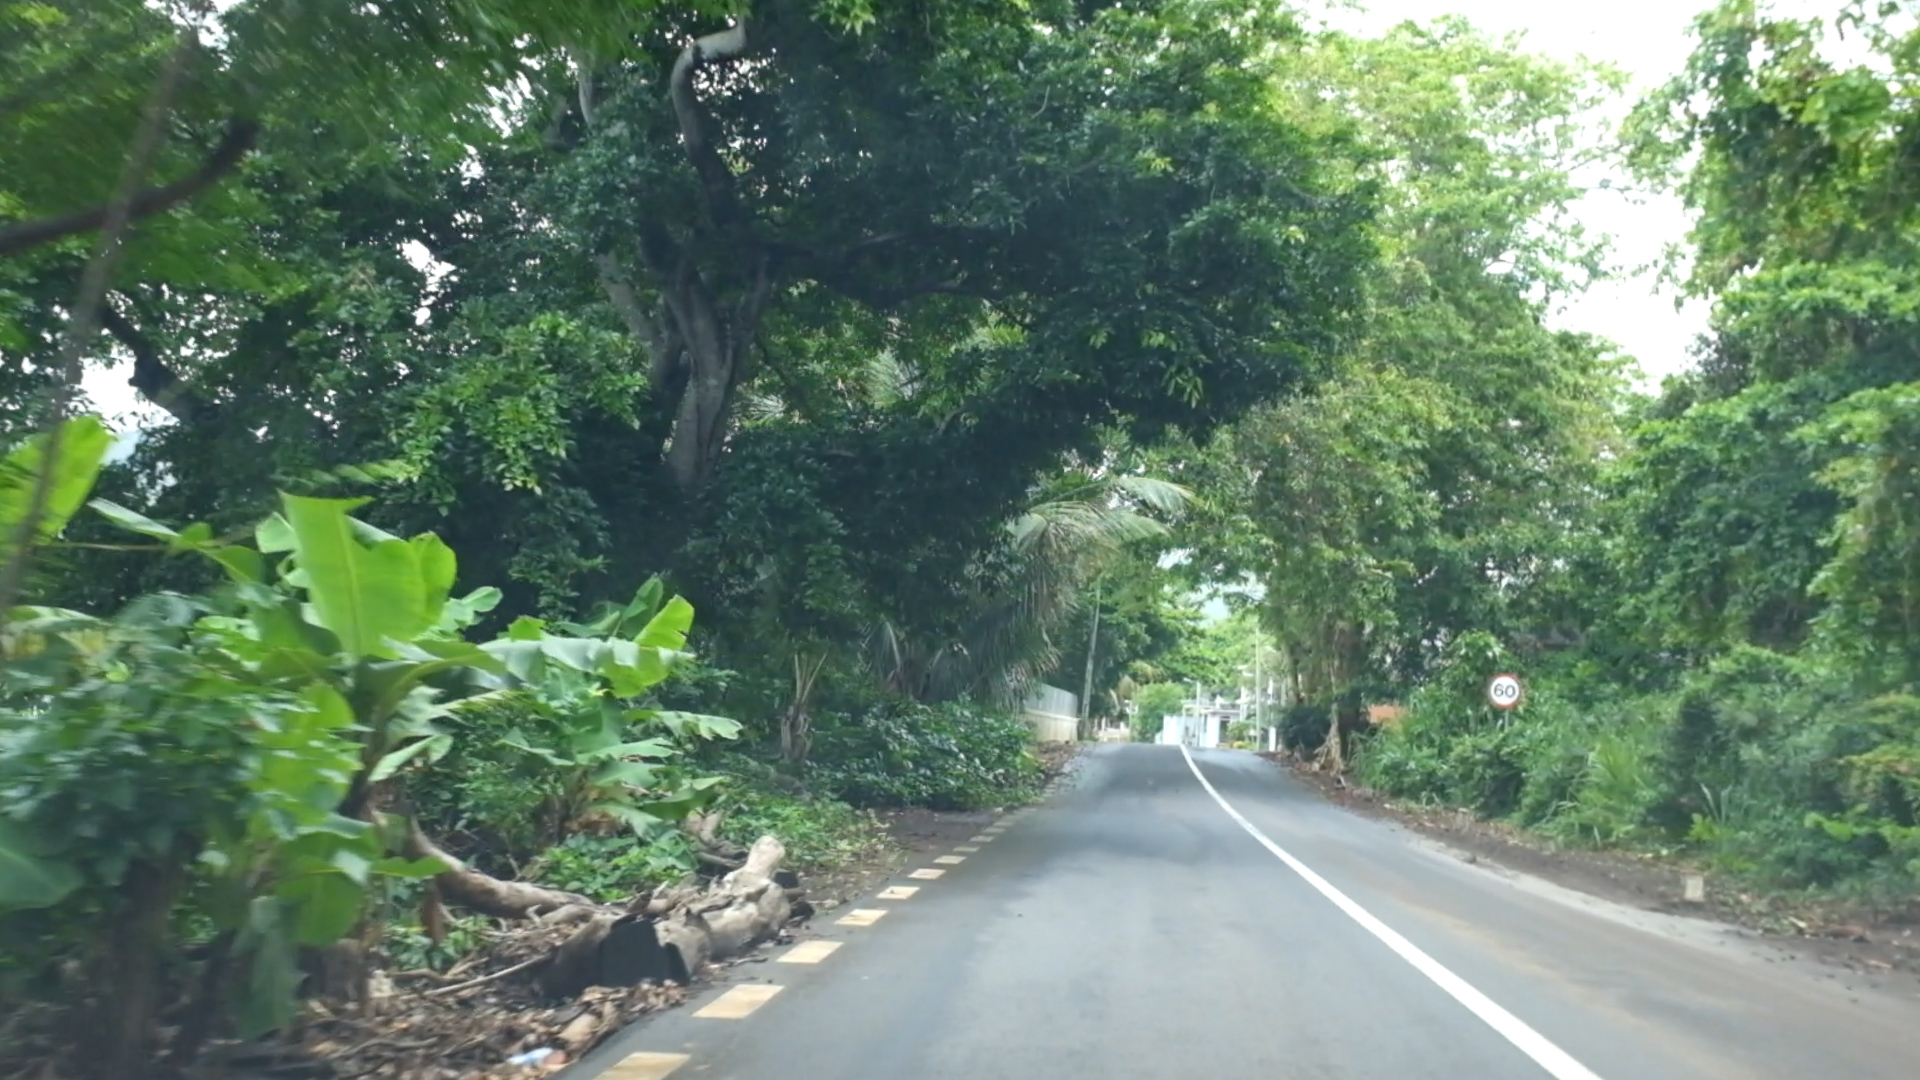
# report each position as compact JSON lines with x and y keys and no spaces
{"x":666,"y":937}
{"x":485,"y":893}
{"x":671,"y":935}
{"x":713,"y":853}
{"x":610,"y":950}
{"x":667,"y":898}
{"x":747,"y":906}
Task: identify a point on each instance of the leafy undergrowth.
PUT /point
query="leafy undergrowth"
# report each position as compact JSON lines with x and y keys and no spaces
{"x":820,"y":834}
{"x":947,"y":756}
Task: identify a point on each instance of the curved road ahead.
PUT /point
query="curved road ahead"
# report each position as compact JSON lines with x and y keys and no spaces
{"x":1206,"y":916}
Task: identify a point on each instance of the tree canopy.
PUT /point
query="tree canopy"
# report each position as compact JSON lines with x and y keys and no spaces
{"x":936,"y":354}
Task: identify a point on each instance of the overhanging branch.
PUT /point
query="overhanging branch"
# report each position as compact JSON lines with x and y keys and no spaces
{"x":234,"y":145}
{"x":153,"y":377}
{"x":715,"y":178}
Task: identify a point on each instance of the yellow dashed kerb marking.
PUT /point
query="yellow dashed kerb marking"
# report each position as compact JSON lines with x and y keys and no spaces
{"x":809,"y":952}
{"x":644,"y":1066}
{"x":739,"y":1002}
{"x":863,"y":916}
{"x":951,"y":860}
{"x":898,"y":892}
{"x":924,"y":874}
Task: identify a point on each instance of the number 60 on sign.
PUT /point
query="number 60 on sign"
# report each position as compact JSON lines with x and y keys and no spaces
{"x":1503,"y":691}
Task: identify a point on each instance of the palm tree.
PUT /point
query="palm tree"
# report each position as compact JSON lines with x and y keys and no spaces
{"x":1033,"y":582}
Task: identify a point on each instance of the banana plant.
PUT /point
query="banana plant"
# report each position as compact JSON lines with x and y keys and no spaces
{"x":586,"y":696}
{"x":334,"y":659}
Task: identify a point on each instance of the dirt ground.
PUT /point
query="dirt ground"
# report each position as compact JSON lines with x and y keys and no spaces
{"x":1824,"y":929}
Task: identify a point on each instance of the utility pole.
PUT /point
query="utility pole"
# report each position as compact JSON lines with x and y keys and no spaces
{"x":1257,"y":711}
{"x":1093,"y":639}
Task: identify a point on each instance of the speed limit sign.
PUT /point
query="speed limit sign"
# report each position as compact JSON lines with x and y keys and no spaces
{"x":1503,"y":691}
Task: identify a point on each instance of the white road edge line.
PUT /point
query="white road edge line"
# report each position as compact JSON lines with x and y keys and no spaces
{"x":1558,"y":1063}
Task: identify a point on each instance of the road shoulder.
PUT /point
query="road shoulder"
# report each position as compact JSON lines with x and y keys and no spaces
{"x":1829,"y":934}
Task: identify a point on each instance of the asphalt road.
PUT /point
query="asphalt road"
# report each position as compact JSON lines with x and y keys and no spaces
{"x":1144,"y":923}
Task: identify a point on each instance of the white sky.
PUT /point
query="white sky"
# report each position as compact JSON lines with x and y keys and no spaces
{"x":1646,"y":38}
{"x":1650,"y":41}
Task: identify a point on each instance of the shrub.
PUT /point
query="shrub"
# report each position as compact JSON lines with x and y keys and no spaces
{"x":953,"y":755}
{"x":1304,"y":727}
{"x":1612,"y":796}
{"x":1152,"y":705}
{"x":818,"y":832}
{"x":613,"y":868}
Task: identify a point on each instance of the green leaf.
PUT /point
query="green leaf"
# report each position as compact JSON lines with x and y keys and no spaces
{"x":395,"y":761}
{"x":353,"y":864}
{"x":640,"y":821}
{"x":28,"y":879}
{"x":391,"y":681}
{"x":325,"y":905}
{"x":83,"y":446}
{"x":273,"y":976}
{"x":462,"y":612}
{"x":132,"y":521}
{"x":438,"y":568}
{"x":637,"y":774}
{"x":274,"y":535}
{"x":523,"y":660}
{"x":365,"y":593}
{"x":242,"y":564}
{"x":193,"y":538}
{"x":699,"y":725}
{"x":668,"y":629}
{"x":647,"y":748}
{"x":527,"y":628}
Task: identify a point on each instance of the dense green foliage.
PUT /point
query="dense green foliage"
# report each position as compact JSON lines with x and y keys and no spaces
{"x":946,"y":756}
{"x":1724,"y":659}
{"x":939,"y":353}
{"x":850,"y":321}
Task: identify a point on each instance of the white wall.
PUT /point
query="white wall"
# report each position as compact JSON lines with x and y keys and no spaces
{"x":1198,"y":732}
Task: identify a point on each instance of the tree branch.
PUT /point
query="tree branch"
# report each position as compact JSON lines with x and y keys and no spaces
{"x":729,"y":44}
{"x":152,"y":377}
{"x":84,"y":320}
{"x":663,"y":350}
{"x":234,"y":145}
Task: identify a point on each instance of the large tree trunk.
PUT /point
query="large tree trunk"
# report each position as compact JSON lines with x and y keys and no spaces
{"x":120,"y":1038}
{"x":708,"y":315}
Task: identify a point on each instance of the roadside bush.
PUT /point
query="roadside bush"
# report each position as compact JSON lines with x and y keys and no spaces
{"x":1611,"y":798}
{"x":1304,"y":727}
{"x":1401,"y":763}
{"x":948,"y":756}
{"x":817,"y":831}
{"x":615,"y":867}
{"x":1153,"y":703}
{"x":1485,"y":770}
{"x":489,"y":804}
{"x":1775,"y":767}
